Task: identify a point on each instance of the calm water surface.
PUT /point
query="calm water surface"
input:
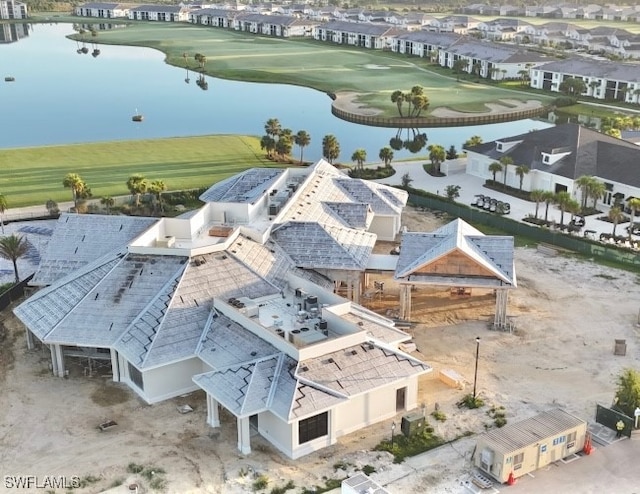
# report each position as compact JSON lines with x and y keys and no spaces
{"x":62,"y":97}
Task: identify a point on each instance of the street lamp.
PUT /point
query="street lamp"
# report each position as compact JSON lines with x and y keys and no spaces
{"x":475,"y":376}
{"x":393,"y":430}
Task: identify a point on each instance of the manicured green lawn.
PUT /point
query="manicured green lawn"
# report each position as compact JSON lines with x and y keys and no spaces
{"x":323,"y":66}
{"x":34,"y":175}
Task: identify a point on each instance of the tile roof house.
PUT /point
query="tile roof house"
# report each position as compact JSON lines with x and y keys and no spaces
{"x":496,"y":61}
{"x":237,"y":299}
{"x":559,"y":155}
{"x":603,"y":79}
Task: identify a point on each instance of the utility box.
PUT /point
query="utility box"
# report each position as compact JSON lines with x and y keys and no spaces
{"x":412,"y":423}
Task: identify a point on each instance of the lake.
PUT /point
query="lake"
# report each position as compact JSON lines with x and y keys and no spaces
{"x":61,"y":97}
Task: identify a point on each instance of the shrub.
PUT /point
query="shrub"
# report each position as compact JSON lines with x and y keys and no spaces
{"x":561,"y":101}
{"x":284,"y":488}
{"x":134,"y":468}
{"x":158,"y":483}
{"x":368,"y":469}
{"x":260,"y":483}
{"x":151,"y":472}
{"x":470,"y":402}
{"x":439,"y":416}
{"x":500,"y":421}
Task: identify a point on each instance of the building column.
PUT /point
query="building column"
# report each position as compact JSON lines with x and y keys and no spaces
{"x":115,"y":368}
{"x":59,"y":360}
{"x":213,"y":414}
{"x":244,"y":439}
{"x":357,"y":288}
{"x":30,"y":344}
{"x":405,"y":302}
{"x":500,"y":319}
{"x":54,"y":362}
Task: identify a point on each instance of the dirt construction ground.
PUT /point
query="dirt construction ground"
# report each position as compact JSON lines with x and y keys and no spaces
{"x":567,"y":314}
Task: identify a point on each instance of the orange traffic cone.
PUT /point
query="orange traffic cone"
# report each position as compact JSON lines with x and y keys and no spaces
{"x":511,"y":480}
{"x":588,"y":448}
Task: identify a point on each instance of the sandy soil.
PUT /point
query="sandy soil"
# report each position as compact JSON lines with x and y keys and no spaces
{"x":346,"y":101}
{"x":567,"y":314}
{"x":511,"y":106}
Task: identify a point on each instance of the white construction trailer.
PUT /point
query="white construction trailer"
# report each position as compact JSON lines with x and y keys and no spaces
{"x":520,"y":448}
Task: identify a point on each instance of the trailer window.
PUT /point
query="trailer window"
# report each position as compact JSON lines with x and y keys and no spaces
{"x":519,"y":458}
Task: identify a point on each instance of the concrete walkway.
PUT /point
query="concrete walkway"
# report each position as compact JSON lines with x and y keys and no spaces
{"x":470,"y":186}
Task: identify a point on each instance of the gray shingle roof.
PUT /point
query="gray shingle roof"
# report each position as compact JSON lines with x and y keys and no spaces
{"x":493,"y":52}
{"x":158,"y":8}
{"x":361,"y":28}
{"x":493,"y":253}
{"x":594,"y":68}
{"x":592,"y":153}
{"x":313,"y":246}
{"x":81,"y":238}
{"x":244,"y":187}
{"x":358,"y":369}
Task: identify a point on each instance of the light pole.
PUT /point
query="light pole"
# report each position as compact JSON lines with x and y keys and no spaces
{"x":393,"y":430}
{"x":475,"y":376}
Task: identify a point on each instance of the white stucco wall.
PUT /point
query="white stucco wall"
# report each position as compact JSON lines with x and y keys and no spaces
{"x":277,"y":432}
{"x":171,"y":380}
{"x":384,"y":227}
{"x":369,"y":408}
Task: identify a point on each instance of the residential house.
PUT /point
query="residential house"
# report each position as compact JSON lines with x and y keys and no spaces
{"x":502,"y":29}
{"x":426,"y":44}
{"x":274,"y":25}
{"x":603,"y":79}
{"x":213,"y":17}
{"x":459,"y":24}
{"x":490,"y":60}
{"x":162,"y":13}
{"x":374,"y":36}
{"x":103,"y":10}
{"x":241,"y":299}
{"x":12,"y":9}
{"x":558,"y":156}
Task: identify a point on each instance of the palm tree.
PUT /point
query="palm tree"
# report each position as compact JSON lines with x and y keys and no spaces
{"x":472,"y":141}
{"x":596,"y":191}
{"x":359,"y":156}
{"x":615,"y":216}
{"x":137,"y":185}
{"x":268,"y":144}
{"x":284,"y":144}
{"x":634,"y":205}
{"x":157,"y":187}
{"x":437,"y":155}
{"x":273,"y":128}
{"x":562,"y":200}
{"x":573,"y":207}
{"x":583,"y":184}
{"x":548,"y":198}
{"x":495,"y":168}
{"x":386,"y":155}
{"x":330,"y":148}
{"x":505,"y":161}
{"x":13,"y":248}
{"x":398,"y":98}
{"x":521,"y":171}
{"x":537,"y":196}
{"x":302,"y":140}
{"x":108,"y":202}
{"x":3,"y":207}
{"x":79,"y":189}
